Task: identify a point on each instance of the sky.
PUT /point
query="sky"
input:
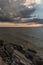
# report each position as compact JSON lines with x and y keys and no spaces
{"x":41,"y":1}
{"x":38,"y":1}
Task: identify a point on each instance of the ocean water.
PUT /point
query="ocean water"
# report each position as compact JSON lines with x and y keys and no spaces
{"x":23,"y":36}
{"x":39,"y":11}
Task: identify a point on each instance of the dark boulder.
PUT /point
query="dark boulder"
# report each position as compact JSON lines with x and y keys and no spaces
{"x":33,"y":51}
{"x":1,"y":42}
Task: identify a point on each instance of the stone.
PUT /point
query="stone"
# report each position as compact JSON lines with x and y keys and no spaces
{"x":33,"y":51}
{"x":1,"y":42}
{"x":13,"y":54}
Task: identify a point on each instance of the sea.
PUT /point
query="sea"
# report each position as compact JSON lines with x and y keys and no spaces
{"x":23,"y":35}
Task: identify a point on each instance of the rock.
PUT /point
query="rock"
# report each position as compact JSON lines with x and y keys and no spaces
{"x":18,"y":47}
{"x":33,"y":51}
{"x":22,"y":58}
{"x":2,"y":62}
{"x":37,"y":60}
{"x":13,"y":54}
{"x":1,"y":42}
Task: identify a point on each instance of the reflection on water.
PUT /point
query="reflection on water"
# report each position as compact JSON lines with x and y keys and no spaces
{"x":23,"y":35}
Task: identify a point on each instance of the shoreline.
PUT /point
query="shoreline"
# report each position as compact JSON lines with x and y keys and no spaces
{"x":8,"y":24}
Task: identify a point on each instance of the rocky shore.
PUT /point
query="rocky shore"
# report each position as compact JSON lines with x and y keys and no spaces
{"x":13,"y":54}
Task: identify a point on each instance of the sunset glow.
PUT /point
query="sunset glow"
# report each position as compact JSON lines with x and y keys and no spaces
{"x":20,"y":24}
